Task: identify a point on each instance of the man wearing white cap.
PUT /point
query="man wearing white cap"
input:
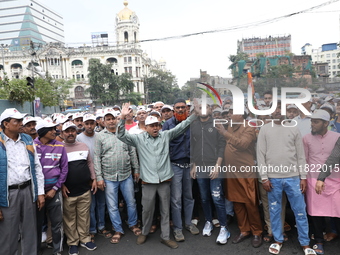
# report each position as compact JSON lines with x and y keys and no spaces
{"x":140,"y":127}
{"x":156,"y":172}
{"x":77,"y":191}
{"x":77,"y":119}
{"x":29,"y":123}
{"x":167,"y":112}
{"x":292,"y":111}
{"x":116,"y":166}
{"x":97,"y":214}
{"x":53,"y":159}
{"x":318,"y":147}
{"x":99,"y":120}
{"x":21,"y":186}
{"x":158,"y":106}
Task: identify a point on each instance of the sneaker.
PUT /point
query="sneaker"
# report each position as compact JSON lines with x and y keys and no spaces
{"x":179,"y":237}
{"x":193,"y":229}
{"x":141,"y":239}
{"x":208,"y":227}
{"x":170,"y":243}
{"x":89,"y":245}
{"x":223,"y":236}
{"x":43,"y":237}
{"x":73,"y":250}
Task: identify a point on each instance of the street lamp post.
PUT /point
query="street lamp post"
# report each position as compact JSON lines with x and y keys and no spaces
{"x":3,"y":56}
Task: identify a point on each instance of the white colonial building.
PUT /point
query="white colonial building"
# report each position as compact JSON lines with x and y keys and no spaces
{"x":59,"y":61}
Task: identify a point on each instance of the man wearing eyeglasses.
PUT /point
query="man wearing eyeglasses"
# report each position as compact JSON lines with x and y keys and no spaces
{"x":181,"y":183}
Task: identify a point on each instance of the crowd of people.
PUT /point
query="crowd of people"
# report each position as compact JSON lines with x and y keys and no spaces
{"x":157,"y":165}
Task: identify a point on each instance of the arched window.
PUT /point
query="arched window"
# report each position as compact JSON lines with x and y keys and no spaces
{"x":112,"y":60}
{"x":126,"y":37}
{"x":16,"y":65}
{"x":79,"y":92}
{"x":77,"y":63}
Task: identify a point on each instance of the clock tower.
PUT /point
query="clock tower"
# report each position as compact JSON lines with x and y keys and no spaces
{"x":127,"y":28}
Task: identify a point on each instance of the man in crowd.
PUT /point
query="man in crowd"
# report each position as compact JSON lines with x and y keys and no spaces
{"x":153,"y":152}
{"x":129,"y":120}
{"x":99,"y":120}
{"x":80,"y":181}
{"x":157,"y":106}
{"x":53,"y":159}
{"x":181,"y":182}
{"x":281,"y":146}
{"x":318,"y":147}
{"x":114,"y":162}
{"x":29,"y":123}
{"x":268,"y":97}
{"x":167,"y":112}
{"x":304,"y":121}
{"x":207,"y":151}
{"x":140,"y":127}
{"x":97,"y":211}
{"x":21,"y":186}
{"x":77,"y":119}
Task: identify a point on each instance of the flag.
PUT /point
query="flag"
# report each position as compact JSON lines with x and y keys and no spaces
{"x":251,"y":85}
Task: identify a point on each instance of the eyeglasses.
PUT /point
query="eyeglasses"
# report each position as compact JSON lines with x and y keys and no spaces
{"x":180,"y":107}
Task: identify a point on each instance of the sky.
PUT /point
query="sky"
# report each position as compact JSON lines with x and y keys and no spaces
{"x":185,"y":57}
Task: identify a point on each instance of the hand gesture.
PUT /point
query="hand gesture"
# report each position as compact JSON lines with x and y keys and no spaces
{"x":319,"y":187}
{"x":125,"y":110}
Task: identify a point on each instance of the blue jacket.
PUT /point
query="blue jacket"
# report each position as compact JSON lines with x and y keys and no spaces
{"x":180,"y":146}
{"x":27,"y":140}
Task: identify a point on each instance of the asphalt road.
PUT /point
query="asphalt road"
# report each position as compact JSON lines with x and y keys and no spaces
{"x":197,"y":244}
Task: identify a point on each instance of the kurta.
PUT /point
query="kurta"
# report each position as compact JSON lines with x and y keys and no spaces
{"x":240,"y":153}
{"x":317,"y":150}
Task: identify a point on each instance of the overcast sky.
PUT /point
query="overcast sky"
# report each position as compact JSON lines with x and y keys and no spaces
{"x":209,"y":52}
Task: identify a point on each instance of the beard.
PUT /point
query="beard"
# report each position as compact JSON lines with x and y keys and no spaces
{"x":181,"y":117}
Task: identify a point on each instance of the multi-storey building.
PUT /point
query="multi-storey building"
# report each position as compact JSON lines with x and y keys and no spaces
{"x":23,"y":21}
{"x":126,"y":56}
{"x":270,"y":46}
{"x":325,"y":59}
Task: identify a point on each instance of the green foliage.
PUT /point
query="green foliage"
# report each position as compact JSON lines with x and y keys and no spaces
{"x":161,"y":86}
{"x":107,"y":88}
{"x":50,"y":92}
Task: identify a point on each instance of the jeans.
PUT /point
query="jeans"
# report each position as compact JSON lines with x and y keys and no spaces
{"x":97,"y":212}
{"x":291,"y":186}
{"x":181,"y":185}
{"x":111,"y":193}
{"x":229,"y":207}
{"x":212,"y":189}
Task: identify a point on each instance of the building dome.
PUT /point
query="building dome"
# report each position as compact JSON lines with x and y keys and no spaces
{"x":126,"y":13}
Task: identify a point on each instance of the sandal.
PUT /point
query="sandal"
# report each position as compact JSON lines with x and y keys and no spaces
{"x":105,"y":233}
{"x":287,"y":227}
{"x":330,"y":236}
{"x":136,"y":230}
{"x":275,"y":248}
{"x":268,"y":238}
{"x":216,"y":223}
{"x":309,"y":251}
{"x":318,"y":248}
{"x":153,"y":229}
{"x":116,"y":237}
{"x":92,"y":237}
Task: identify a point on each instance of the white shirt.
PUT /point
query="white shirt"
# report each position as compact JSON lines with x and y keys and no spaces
{"x":136,"y":130}
{"x":18,"y":164}
{"x":304,"y":125}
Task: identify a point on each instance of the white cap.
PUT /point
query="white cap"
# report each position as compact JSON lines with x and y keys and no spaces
{"x":321,"y":114}
{"x":111,"y":111}
{"x":217,"y":109}
{"x":291,"y":106}
{"x":61,"y":119}
{"x":77,"y":115}
{"x":140,"y":110}
{"x":150,"y":120}
{"x":328,"y":106}
{"x":55,"y":116}
{"x":89,"y":117}
{"x":167,"y":107}
{"x":69,"y":124}
{"x":28,"y":119}
{"x":12,"y":113}
{"x":155,"y":112}
{"x":116,"y":106}
{"x":45,"y":123}
{"x":100,"y":113}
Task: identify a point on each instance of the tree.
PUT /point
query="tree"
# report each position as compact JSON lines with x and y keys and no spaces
{"x":161,"y":86}
{"x":108,"y":88}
